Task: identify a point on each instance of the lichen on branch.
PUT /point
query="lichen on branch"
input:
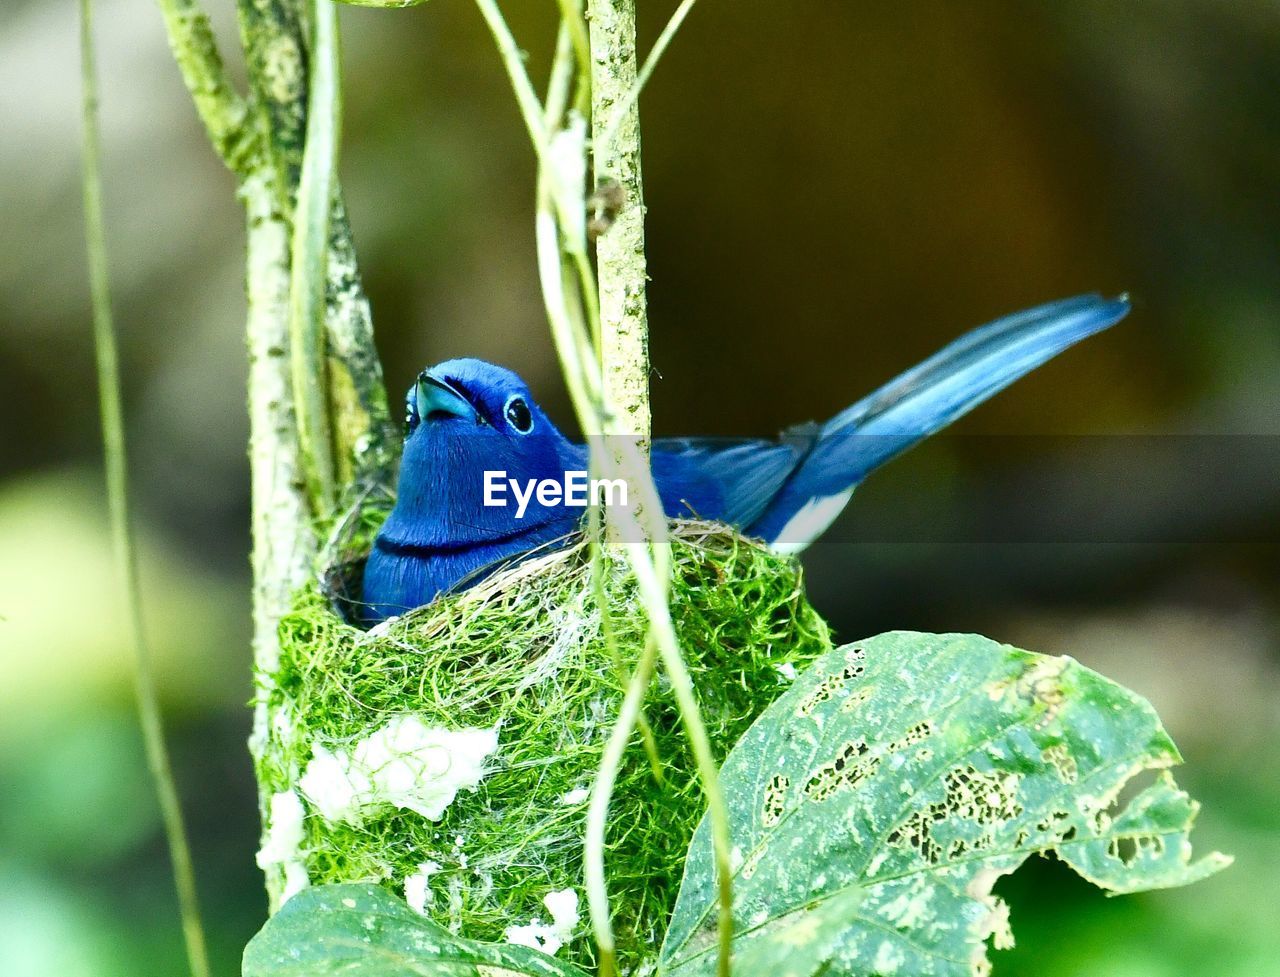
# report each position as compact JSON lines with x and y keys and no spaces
{"x":620,"y":253}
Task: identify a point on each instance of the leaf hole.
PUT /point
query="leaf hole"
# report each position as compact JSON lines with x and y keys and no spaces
{"x":828,"y":687}
{"x":850,"y":766}
{"x":774,"y":800}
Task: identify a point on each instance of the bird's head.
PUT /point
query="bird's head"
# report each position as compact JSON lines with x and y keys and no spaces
{"x":465,"y":417}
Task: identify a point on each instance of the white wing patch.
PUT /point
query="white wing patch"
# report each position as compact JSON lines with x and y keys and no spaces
{"x":810,"y":522}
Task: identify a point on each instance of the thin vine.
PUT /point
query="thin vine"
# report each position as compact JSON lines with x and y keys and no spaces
{"x":601,"y":335}
{"x":308,"y":271}
{"x":117,"y":483}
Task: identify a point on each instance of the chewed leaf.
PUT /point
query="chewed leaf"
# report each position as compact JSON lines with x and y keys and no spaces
{"x":914,"y":770}
{"x":1146,"y":847}
{"x":364,"y":931}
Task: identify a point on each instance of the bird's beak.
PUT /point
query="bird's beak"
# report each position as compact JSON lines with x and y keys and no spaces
{"x":437,"y":396}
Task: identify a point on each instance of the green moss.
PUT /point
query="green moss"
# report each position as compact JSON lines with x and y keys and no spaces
{"x":523,"y":650}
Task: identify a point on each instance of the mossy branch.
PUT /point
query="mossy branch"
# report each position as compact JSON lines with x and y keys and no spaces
{"x":277,"y":45}
{"x":117,"y":483}
{"x":275,"y":40}
{"x":284,"y":545}
{"x":364,"y":431}
{"x":263,"y":140}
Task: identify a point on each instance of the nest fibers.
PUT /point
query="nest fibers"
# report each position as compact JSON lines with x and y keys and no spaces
{"x":449,"y":753}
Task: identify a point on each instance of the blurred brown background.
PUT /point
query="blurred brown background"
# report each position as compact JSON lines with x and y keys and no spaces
{"x":835,"y":189}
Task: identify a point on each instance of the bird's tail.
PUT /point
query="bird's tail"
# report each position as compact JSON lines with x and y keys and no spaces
{"x":927,"y":398}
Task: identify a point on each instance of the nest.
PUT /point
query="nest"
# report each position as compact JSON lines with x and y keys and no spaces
{"x":524,"y":651}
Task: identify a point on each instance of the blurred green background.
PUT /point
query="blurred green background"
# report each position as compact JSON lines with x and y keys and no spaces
{"x":835,"y":189}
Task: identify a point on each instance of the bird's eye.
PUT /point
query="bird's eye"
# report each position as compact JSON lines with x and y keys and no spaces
{"x":410,"y":411}
{"x":518,"y":415}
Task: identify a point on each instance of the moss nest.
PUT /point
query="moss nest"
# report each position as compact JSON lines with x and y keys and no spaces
{"x":523,"y":652}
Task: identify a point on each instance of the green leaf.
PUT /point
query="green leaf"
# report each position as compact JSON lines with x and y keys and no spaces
{"x":364,"y":931}
{"x":914,"y":770}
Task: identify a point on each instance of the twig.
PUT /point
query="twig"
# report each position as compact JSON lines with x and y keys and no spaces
{"x":624,"y":350}
{"x":604,"y":143}
{"x":513,"y":61}
{"x":560,"y":84}
{"x":567,"y":191}
{"x":577,"y":357}
{"x":620,"y":257}
{"x":572,"y":19}
{"x":221,"y":109}
{"x":113,"y":441}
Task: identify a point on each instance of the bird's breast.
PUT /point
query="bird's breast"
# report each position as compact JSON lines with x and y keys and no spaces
{"x":401,"y":575}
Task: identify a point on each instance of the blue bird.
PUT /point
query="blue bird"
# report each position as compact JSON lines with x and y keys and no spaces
{"x":466,"y":418}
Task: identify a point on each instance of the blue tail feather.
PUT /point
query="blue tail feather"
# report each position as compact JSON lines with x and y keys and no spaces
{"x":921,"y":401}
